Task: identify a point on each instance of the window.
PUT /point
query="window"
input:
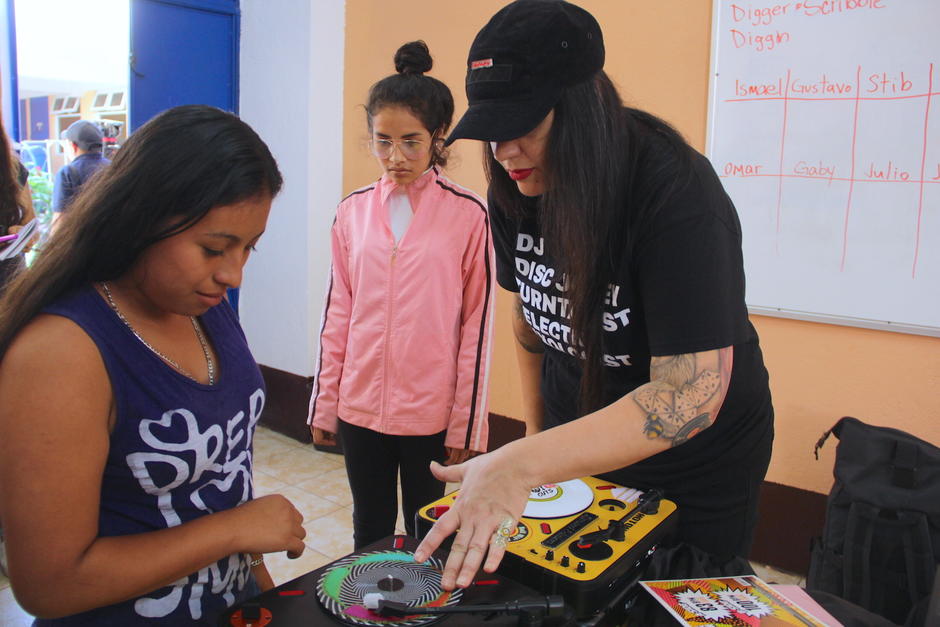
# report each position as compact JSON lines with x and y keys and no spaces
{"x":65,"y":104}
{"x":108,"y":101}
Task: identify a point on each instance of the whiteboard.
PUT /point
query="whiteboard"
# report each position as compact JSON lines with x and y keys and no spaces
{"x":824,"y":126}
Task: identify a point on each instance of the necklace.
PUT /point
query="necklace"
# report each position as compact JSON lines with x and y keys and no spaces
{"x":210,"y":365}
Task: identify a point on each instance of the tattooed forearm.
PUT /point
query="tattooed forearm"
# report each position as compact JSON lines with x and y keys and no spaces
{"x":676,"y":370}
{"x":526,"y":337}
{"x":684,"y":394}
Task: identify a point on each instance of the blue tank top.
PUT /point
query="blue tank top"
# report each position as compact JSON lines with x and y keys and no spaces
{"x":179,"y":450}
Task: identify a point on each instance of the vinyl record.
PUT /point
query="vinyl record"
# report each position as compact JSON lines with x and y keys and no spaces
{"x":556,"y":500}
{"x":395,"y":575}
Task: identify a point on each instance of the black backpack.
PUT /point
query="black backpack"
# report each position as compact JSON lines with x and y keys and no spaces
{"x":880,"y":547}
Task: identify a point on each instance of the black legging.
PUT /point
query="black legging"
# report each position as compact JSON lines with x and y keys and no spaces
{"x":373,"y":461}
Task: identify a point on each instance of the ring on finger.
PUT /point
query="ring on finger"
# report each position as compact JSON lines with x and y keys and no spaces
{"x":499,"y":540}
{"x":503,"y":533}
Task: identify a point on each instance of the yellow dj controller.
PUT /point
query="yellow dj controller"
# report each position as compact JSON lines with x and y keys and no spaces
{"x":583,"y":538}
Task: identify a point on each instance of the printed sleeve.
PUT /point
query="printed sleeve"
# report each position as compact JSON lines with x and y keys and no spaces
{"x":504,"y":238}
{"x":690,"y":274}
{"x":468,"y":427}
{"x":334,"y":325}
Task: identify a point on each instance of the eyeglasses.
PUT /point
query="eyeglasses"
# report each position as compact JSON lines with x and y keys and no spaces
{"x":410,"y":148}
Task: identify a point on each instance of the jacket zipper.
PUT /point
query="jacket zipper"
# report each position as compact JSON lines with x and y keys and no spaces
{"x":388,"y":332}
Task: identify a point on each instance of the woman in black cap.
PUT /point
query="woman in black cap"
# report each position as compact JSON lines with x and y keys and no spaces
{"x":633,"y":336}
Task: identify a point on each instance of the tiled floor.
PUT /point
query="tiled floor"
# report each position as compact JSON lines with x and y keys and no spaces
{"x":316,"y":484}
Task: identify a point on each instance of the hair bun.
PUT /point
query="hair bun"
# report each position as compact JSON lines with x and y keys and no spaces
{"x":413,"y":58}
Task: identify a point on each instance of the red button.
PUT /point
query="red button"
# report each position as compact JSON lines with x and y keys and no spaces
{"x":605,"y":487}
{"x":546,"y":528}
{"x":439,"y":510}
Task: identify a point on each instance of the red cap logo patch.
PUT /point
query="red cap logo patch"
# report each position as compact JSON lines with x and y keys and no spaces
{"x":476,"y":65}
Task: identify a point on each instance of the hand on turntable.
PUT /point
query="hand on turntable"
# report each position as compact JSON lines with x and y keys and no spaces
{"x":493,"y":494}
{"x":270,"y":524}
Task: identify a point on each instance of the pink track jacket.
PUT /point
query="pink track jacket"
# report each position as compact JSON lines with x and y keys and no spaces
{"x":406,"y":330}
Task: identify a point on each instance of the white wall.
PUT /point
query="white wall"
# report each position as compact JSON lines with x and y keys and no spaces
{"x":291,"y":92}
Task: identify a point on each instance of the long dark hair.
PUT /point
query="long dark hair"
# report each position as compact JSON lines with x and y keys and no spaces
{"x":426,"y":97}
{"x":166,"y":177}
{"x":9,"y":185}
{"x":599,"y":190}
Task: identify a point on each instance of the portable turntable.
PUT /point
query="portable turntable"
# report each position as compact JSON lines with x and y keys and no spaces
{"x":573,"y":560}
{"x":383,"y":585}
{"x":586,"y":539}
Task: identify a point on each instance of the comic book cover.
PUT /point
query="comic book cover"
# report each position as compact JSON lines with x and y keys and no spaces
{"x":745,"y":601}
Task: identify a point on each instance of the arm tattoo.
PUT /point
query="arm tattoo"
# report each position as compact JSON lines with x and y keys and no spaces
{"x":526,"y":337}
{"x":683,"y":395}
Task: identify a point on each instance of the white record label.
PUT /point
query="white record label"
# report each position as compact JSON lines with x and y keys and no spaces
{"x":556,"y":500}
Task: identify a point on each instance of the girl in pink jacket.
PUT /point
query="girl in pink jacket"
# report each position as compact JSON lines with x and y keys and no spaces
{"x":403,"y":363}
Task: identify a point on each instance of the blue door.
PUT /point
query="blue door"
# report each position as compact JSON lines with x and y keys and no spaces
{"x":182,"y":52}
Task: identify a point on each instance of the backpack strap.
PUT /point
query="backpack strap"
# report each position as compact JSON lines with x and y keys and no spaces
{"x":912,"y":564}
{"x":864,"y":553}
{"x":856,"y":571}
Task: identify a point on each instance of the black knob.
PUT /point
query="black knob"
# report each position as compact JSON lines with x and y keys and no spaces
{"x":564,"y":560}
{"x":549,"y":555}
{"x":616,"y":530}
{"x":580,"y":568}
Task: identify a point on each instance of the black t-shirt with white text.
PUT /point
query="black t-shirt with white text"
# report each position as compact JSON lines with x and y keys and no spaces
{"x":678,"y":289}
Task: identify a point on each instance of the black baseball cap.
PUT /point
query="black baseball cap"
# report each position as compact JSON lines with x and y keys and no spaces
{"x":84,"y":134}
{"x":521,"y":62}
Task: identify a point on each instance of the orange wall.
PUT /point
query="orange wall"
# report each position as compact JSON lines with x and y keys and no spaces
{"x":658,"y":54}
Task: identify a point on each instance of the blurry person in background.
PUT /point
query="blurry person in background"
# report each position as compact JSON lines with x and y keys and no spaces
{"x":83,"y":147}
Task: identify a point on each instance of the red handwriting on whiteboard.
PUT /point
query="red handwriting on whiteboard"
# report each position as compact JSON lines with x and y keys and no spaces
{"x":759,"y":42}
{"x":758,"y":89}
{"x":815,"y":170}
{"x":885,"y":84}
{"x":742,"y":169}
{"x":823,"y":86}
{"x":813,"y":8}
{"x":761,"y":16}
{"x":889,"y":172}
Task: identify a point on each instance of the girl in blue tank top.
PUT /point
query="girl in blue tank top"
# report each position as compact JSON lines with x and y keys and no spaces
{"x":130,"y":396}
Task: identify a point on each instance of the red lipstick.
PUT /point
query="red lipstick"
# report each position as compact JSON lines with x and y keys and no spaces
{"x":519,"y":175}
